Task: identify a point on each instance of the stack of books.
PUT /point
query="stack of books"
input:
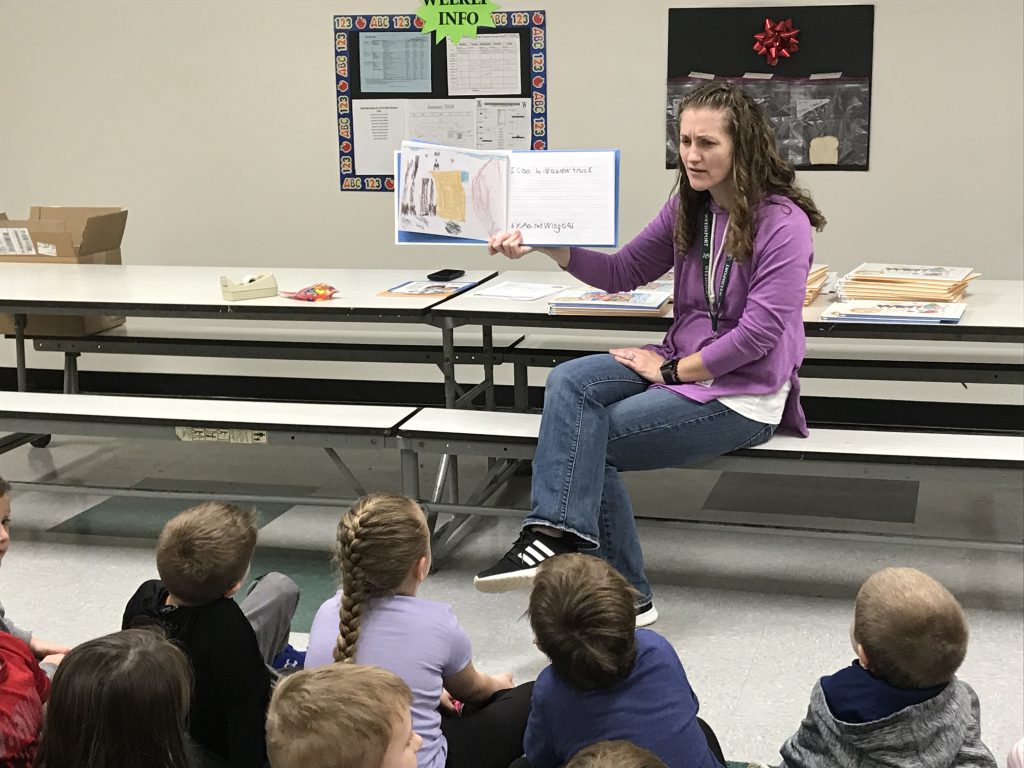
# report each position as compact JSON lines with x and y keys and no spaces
{"x":816,"y":280}
{"x":904,"y":282}
{"x":589,"y":301}
{"x":917,"y":312}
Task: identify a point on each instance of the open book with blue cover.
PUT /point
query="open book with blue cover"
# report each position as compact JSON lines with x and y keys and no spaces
{"x":556,"y":197}
{"x":913,"y":312}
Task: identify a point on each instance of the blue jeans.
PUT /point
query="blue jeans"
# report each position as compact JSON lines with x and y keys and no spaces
{"x":600,"y":419}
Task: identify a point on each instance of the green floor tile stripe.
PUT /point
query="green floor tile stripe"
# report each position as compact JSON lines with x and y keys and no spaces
{"x":139,"y":518}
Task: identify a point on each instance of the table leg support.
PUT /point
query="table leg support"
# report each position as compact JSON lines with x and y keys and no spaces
{"x":448,"y":363}
{"x":71,"y":373}
{"x":19,"y":347}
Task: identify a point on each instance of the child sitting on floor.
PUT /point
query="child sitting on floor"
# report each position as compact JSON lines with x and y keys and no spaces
{"x":899,"y":703}
{"x":48,"y":653}
{"x":383,"y":554}
{"x":615,"y":754}
{"x":342,"y":716}
{"x":24,"y":689}
{"x":203,"y":556}
{"x":119,"y":700}
{"x":618,"y":682}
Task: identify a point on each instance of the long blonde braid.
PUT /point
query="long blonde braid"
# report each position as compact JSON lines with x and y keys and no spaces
{"x":380,"y":539}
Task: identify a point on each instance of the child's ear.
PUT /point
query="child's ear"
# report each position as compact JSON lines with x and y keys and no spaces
{"x":234,"y":590}
{"x":422,"y":569}
{"x":862,"y":656}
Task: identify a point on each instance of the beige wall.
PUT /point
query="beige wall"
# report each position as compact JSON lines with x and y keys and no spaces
{"x":214,"y":123}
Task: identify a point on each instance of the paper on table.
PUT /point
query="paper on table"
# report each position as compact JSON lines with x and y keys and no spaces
{"x":519,"y":291}
{"x":441,"y":121}
{"x":563,"y":197}
{"x":488,"y":64}
{"x":394,"y":62}
{"x":378,"y":126}
{"x":428,"y":288}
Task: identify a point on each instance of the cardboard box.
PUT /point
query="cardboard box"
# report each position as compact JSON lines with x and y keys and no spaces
{"x":67,"y":235}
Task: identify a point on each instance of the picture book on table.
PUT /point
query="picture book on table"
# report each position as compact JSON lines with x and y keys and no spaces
{"x":588,"y":301}
{"x":876,"y":271}
{"x":448,"y":195}
{"x":428,"y":288}
{"x":929,"y":312}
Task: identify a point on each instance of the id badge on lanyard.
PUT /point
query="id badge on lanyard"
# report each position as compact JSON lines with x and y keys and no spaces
{"x":713,"y":301}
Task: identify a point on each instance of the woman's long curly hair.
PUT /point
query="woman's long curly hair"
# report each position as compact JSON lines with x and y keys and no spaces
{"x":380,"y":539}
{"x":757,"y":171}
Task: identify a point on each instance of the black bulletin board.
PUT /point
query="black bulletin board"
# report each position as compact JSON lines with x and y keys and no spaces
{"x":801,"y":105}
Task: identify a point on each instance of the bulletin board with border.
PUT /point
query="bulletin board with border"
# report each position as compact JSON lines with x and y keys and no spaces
{"x":529,"y":25}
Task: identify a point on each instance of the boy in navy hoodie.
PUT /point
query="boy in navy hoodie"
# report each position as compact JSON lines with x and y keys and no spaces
{"x":899,"y":703}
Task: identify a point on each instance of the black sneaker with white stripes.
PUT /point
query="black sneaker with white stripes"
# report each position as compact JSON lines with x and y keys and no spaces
{"x":646,"y":614}
{"x":519,"y":565}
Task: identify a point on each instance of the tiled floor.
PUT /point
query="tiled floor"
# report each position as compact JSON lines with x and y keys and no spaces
{"x":756,"y":613}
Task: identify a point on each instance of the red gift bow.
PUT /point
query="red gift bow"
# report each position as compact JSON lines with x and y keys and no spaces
{"x":778,"y":39}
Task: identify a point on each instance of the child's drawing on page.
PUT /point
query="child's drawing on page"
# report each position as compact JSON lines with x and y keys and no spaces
{"x":487,"y":195}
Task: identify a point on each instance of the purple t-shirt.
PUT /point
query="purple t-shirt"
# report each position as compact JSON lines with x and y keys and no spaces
{"x":419,"y":640}
{"x":760,"y":343}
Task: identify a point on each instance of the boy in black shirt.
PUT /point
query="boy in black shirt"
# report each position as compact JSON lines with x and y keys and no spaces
{"x":203,"y":556}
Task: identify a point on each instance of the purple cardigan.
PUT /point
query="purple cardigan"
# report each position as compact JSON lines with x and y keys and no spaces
{"x":761,"y":330}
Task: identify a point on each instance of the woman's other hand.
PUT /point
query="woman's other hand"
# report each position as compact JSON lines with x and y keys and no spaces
{"x":642,"y":361}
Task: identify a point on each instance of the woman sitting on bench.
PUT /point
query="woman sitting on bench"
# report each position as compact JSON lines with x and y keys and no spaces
{"x":738,"y":234}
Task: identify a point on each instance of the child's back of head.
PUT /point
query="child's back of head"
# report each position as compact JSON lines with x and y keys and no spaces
{"x":380,"y":540}
{"x":341,"y":716}
{"x":119,"y":700}
{"x":615,"y":754}
{"x":584,"y":620}
{"x":205,"y":551}
{"x":912,"y":630}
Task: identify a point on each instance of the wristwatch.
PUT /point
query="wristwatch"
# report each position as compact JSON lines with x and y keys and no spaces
{"x":669,"y":372}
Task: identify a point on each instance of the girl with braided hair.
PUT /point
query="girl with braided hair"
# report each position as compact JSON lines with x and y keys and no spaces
{"x":383,"y":556}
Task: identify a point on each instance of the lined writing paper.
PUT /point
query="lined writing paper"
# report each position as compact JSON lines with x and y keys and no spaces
{"x":564,"y":197}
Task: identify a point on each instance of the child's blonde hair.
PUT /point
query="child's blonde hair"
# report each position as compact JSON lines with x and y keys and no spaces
{"x":205,"y":550}
{"x":615,"y":754}
{"x":337,"y":716}
{"x":911,"y":628}
{"x":380,"y":539}
{"x":583,"y":618}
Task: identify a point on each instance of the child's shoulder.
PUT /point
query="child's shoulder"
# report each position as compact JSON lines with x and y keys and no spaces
{"x":649,"y":639}
{"x":11,"y":646}
{"x":431,"y":612}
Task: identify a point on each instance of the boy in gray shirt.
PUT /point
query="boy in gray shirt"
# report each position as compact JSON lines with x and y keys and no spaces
{"x":899,"y":703}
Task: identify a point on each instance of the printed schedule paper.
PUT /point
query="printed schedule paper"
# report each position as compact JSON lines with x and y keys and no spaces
{"x":394,"y":62}
{"x":485,"y":65}
{"x":555,"y":198}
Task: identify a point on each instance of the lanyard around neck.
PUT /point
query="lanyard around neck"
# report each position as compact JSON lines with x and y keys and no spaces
{"x":714,"y":302}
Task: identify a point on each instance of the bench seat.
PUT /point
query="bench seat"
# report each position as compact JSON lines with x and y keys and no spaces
{"x":175,"y":418}
{"x":514,"y":435}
